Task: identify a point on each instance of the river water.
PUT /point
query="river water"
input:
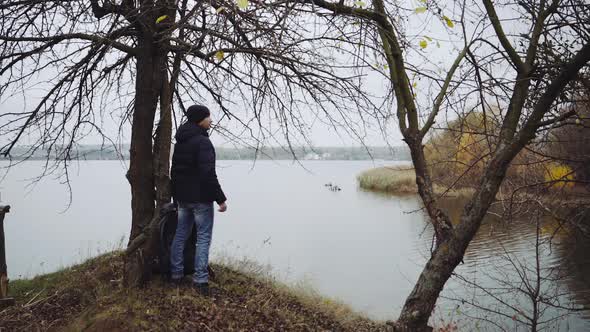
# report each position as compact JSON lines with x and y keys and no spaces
{"x":362,"y":248}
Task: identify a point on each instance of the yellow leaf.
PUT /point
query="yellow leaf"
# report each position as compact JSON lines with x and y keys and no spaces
{"x":242,"y":4}
{"x":220,"y":9}
{"x":420,"y":10}
{"x":428,"y":38}
{"x":161,"y":18}
{"x":448,"y":21}
{"x":219,"y":55}
{"x":578,"y":121}
{"x":415,"y":85}
{"x":360,"y":3}
{"x":423,"y":43}
{"x":559,"y":175}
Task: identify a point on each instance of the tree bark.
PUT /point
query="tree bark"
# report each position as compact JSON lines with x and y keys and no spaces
{"x":149,"y":165}
{"x":440,"y":221}
{"x":445,"y":258}
{"x":141,"y":172}
{"x":151,"y":68}
{"x":164,"y":136}
{"x":149,"y":239}
{"x":162,"y":147}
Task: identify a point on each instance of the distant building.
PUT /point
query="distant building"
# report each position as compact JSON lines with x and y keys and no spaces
{"x":312,"y":156}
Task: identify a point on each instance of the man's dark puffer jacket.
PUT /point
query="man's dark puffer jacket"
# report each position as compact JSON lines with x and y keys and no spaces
{"x":193,"y":167}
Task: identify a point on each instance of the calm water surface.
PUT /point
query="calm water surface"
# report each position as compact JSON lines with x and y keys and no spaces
{"x":362,"y":248}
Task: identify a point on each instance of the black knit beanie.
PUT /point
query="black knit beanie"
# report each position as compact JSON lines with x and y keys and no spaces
{"x":197,"y":113}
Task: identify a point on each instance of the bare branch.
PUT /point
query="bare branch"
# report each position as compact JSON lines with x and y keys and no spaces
{"x":521,"y":67}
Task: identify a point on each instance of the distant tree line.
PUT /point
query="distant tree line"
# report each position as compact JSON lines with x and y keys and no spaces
{"x":98,"y":152}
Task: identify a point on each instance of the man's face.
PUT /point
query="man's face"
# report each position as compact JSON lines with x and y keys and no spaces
{"x":206,"y":123}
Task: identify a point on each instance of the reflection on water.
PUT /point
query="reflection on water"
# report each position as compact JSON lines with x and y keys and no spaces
{"x":363,"y":248}
{"x":573,"y":251}
{"x":501,"y":275}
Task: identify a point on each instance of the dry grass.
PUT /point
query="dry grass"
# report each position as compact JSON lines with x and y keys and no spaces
{"x":302,"y":291}
{"x":90,"y":297}
{"x":401,"y":180}
{"x":397,"y":180}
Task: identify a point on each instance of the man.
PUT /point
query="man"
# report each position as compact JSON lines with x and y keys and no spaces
{"x":194,"y":188}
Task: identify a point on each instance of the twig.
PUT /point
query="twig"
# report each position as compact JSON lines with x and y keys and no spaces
{"x":34,"y":297}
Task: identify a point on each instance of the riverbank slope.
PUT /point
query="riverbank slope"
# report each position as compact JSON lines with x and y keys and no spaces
{"x":90,"y":297}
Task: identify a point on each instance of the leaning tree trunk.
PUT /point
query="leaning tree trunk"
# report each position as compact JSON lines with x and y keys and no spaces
{"x":450,"y":251}
{"x":440,"y":221}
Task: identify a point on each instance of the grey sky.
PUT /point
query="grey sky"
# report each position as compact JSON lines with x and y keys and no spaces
{"x":443,"y":43}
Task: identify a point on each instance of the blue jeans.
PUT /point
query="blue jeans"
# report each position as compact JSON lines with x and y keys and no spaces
{"x":201,"y":216}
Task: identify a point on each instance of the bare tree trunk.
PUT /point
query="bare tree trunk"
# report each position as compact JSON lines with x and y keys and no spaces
{"x":149,"y":170}
{"x":162,"y":147}
{"x":149,"y":238}
{"x":441,"y":222}
{"x":164,"y":137}
{"x":151,"y":68}
{"x":453,"y":242}
{"x":140,"y":174}
{"x":447,"y":255}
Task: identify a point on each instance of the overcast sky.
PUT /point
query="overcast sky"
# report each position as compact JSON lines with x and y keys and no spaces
{"x":443,"y":45}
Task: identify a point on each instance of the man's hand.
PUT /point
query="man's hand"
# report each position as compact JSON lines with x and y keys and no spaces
{"x":223,"y":207}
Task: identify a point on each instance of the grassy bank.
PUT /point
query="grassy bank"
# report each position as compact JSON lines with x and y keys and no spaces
{"x":90,"y":297}
{"x":400,"y":180}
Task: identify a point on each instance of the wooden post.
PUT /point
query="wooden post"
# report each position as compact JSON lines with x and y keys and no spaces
{"x":5,"y":301}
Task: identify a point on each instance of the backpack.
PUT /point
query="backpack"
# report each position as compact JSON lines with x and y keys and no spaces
{"x":168,"y":223}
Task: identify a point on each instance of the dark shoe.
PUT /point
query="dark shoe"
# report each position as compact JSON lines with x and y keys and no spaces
{"x":203,"y":288}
